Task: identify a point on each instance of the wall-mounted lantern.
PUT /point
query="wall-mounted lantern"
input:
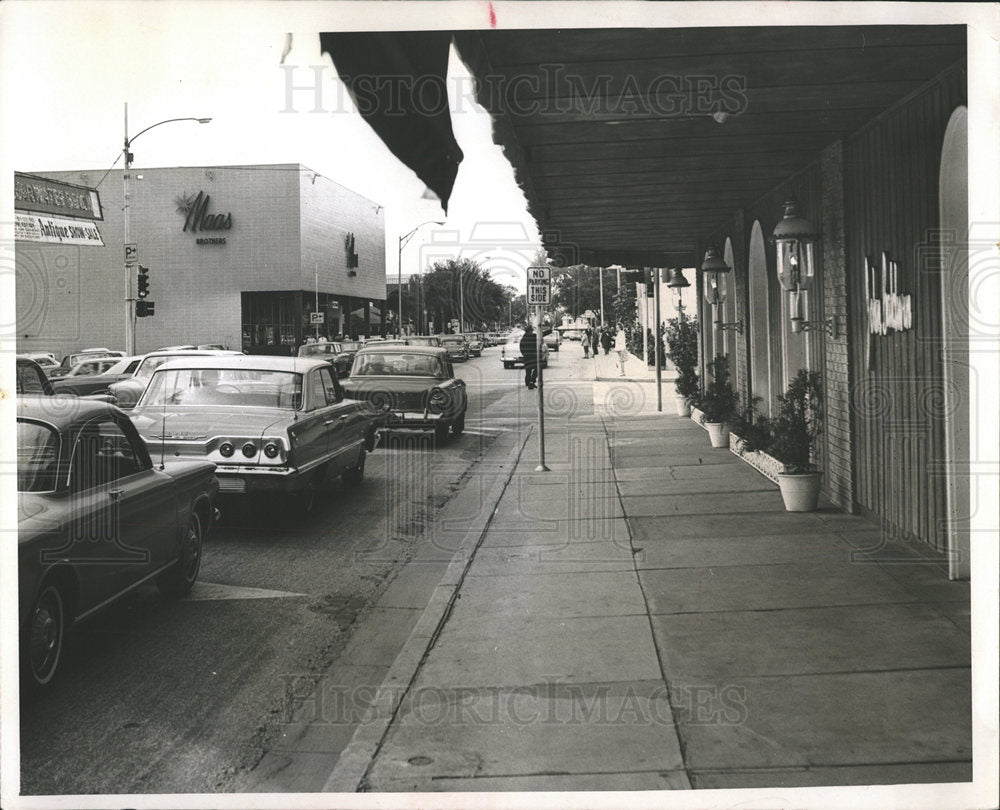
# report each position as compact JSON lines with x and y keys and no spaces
{"x":795,"y":241}
{"x":715,"y":269}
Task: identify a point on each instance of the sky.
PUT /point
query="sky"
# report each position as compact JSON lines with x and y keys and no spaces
{"x":214,"y":61}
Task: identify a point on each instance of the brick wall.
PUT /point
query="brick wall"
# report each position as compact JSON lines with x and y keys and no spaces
{"x":837,"y":380}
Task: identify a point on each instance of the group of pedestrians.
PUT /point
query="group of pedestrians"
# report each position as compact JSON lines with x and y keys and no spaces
{"x":592,"y":338}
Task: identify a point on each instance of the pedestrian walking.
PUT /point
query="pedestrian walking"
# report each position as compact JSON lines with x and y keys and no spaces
{"x":586,"y":342}
{"x":529,"y":351}
{"x":606,"y":340}
{"x":621,"y":348}
{"x":594,"y":339}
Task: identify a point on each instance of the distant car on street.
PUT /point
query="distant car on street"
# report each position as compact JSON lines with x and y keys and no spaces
{"x":70,"y":360}
{"x":85,"y":385}
{"x":128,"y":390}
{"x":423,"y":340}
{"x":271,"y":425}
{"x":95,"y":520}
{"x":88,"y":368}
{"x":552,"y":339}
{"x":457,"y":347}
{"x":510,"y":352}
{"x":411,"y":387}
{"x":475,"y":341}
{"x":331,"y":351}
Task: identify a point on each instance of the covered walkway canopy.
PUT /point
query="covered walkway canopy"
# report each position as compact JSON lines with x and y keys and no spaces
{"x":631,"y":144}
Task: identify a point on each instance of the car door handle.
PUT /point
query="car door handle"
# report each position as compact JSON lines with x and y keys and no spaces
{"x":339,"y":420}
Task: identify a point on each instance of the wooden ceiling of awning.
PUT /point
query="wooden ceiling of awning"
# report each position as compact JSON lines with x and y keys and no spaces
{"x":619,"y":153}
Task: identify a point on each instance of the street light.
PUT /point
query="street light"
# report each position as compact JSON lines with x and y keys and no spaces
{"x":403,"y":241}
{"x":129,"y":323}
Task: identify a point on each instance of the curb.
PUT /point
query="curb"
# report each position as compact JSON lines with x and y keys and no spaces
{"x":352,"y":766}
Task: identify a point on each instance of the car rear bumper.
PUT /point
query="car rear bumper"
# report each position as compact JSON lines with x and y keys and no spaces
{"x":414,"y":421}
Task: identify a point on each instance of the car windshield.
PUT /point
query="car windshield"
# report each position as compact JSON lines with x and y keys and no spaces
{"x":396,"y":363}
{"x":350,"y":345}
{"x":150,"y":364}
{"x":452,"y":341}
{"x":37,"y":457}
{"x":319,"y":349}
{"x":233,"y":388}
{"x":423,"y":341}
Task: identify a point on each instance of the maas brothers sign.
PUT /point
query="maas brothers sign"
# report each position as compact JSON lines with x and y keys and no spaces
{"x":198,"y":218}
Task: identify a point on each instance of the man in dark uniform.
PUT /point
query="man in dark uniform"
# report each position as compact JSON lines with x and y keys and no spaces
{"x":529,"y":351}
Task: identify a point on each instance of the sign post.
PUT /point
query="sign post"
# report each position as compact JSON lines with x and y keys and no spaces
{"x":539,"y":293}
{"x":657,"y":358}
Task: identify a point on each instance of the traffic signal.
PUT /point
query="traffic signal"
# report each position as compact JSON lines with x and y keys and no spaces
{"x":145,"y":309}
{"x":143,"y":284}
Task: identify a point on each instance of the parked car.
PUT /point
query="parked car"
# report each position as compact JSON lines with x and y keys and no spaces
{"x":510,"y":352}
{"x":70,"y":360}
{"x":88,"y":368}
{"x":47,"y":360}
{"x":332,"y":352}
{"x":552,"y":339}
{"x":457,"y":346}
{"x":31,"y":378}
{"x":128,"y":390}
{"x":475,"y":342}
{"x":84,"y":385}
{"x":412,"y":387}
{"x":272,"y":425}
{"x":423,"y":340}
{"x":95,"y":520}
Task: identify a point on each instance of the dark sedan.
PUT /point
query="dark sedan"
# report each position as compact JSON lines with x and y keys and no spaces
{"x":96,"y":519}
{"x":414,"y":387}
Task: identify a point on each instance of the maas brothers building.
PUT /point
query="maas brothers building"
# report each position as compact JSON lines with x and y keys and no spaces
{"x":236,"y":255}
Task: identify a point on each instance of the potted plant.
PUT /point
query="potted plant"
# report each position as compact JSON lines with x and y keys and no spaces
{"x":794,"y":434}
{"x":681,"y":335}
{"x":718,"y":405}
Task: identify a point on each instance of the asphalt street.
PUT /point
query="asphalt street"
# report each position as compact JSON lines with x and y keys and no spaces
{"x":190,"y":696}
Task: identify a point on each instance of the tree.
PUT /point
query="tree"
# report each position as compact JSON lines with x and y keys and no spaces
{"x":442,"y":289}
{"x":578,"y":288}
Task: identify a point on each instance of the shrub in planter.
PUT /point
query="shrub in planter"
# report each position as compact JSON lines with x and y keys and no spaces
{"x":794,"y":433}
{"x":719,"y":403}
{"x":753,"y":428}
{"x":681,"y":335}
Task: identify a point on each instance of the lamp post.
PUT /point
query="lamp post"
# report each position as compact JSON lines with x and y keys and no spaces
{"x":403,"y":241}
{"x":129,"y":322}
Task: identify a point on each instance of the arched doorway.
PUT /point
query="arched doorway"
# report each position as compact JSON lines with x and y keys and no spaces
{"x":760,"y":339}
{"x":953,"y":191}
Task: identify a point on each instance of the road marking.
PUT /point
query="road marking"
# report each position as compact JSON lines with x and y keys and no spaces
{"x":212,"y":591}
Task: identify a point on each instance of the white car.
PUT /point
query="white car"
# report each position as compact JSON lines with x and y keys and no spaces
{"x":510,"y":353}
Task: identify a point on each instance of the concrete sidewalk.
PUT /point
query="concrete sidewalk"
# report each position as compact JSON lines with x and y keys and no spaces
{"x":645,"y":615}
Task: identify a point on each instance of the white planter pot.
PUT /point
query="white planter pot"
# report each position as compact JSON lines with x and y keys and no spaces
{"x":718,"y":432}
{"x":683,"y":405}
{"x":800,"y":492}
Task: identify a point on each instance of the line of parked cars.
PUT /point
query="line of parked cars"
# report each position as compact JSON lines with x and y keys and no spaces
{"x":117,"y":493}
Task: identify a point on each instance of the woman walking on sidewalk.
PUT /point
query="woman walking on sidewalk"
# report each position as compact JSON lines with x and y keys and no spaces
{"x":594,"y":341}
{"x":586,"y":342}
{"x":621,"y":348}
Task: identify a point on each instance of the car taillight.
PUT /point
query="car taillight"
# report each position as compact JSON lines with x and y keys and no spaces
{"x":271,"y":450}
{"x":249,"y":449}
{"x":226,"y":449}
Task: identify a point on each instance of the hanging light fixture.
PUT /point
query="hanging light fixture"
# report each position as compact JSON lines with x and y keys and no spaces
{"x":677,"y":283}
{"x":795,"y":241}
{"x":715,"y":271}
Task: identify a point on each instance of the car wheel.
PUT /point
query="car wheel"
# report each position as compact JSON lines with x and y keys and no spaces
{"x":458,"y":425}
{"x":180,"y":577}
{"x":43,"y":637}
{"x":441,"y":432}
{"x":305,"y":498}
{"x":356,"y":474}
